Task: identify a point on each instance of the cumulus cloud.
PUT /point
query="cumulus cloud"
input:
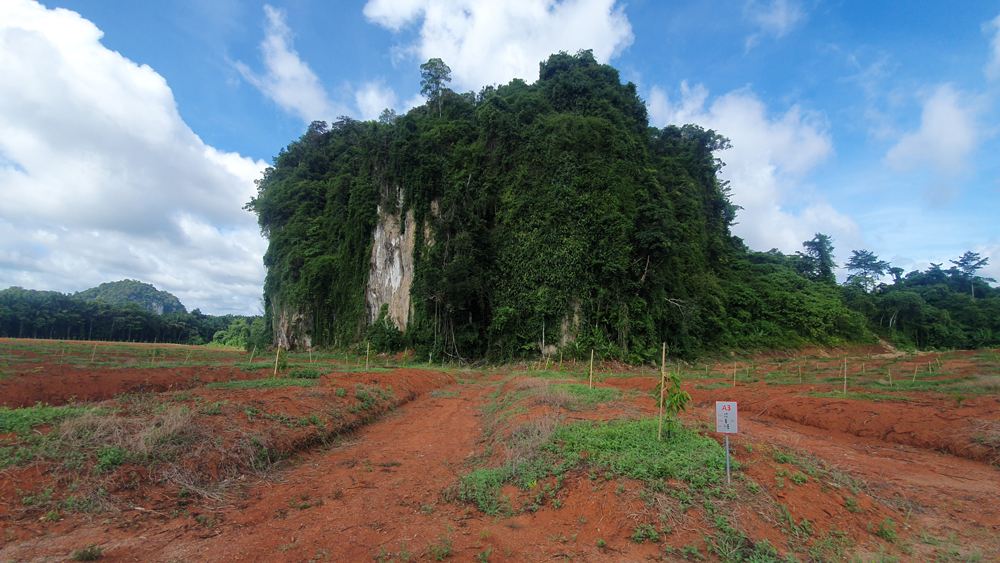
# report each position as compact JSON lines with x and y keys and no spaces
{"x":101,"y":179}
{"x":767,"y":165}
{"x":373,"y":98}
{"x":948,"y":134}
{"x":992,"y":68}
{"x":288,"y":80}
{"x":990,"y":250}
{"x":489,"y":42}
{"x":775,"y":18}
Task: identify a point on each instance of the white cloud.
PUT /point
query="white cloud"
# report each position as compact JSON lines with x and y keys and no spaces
{"x":289,"y":81}
{"x":775,"y":18}
{"x":992,"y":252}
{"x":489,"y":42}
{"x":101,"y":179}
{"x":948,"y":134}
{"x":767,"y":164}
{"x":992,"y":68}
{"x":373,"y":98}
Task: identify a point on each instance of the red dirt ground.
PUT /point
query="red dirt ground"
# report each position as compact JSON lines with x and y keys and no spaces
{"x":383,"y":489}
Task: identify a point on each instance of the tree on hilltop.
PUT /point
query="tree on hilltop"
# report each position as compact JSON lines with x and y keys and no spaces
{"x":866,"y":269}
{"x":969,"y":264}
{"x":817,"y":260}
{"x":433,"y":76}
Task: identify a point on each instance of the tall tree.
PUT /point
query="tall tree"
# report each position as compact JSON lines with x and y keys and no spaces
{"x":433,"y":76}
{"x":818,"y":259}
{"x":969,"y":264}
{"x":866,"y":269}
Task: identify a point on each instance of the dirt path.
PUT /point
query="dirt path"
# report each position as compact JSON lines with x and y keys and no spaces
{"x":380,"y":489}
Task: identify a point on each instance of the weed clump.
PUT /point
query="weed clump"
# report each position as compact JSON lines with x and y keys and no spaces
{"x":89,"y":553}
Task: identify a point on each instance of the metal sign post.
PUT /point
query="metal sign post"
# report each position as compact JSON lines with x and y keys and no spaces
{"x":726,"y":422}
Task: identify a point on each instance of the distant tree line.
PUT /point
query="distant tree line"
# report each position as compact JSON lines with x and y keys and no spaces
{"x":936,"y":308}
{"x":27,"y":313}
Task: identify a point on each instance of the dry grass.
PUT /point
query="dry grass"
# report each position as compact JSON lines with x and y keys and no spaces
{"x":174,"y":447}
{"x":160,"y":435}
{"x":560,"y":398}
{"x":526,"y":440}
{"x":987,"y":433}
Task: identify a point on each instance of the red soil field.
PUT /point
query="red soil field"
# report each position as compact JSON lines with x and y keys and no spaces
{"x":929,"y":463}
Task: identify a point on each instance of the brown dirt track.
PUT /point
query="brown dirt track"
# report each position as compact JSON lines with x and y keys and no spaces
{"x":383,"y":488}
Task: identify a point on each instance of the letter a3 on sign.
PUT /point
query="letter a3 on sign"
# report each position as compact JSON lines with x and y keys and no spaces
{"x":725,"y":417}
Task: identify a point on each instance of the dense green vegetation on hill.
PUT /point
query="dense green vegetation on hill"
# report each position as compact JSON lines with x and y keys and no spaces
{"x":543,"y":203}
{"x":134,"y":291}
{"x":935,"y":308}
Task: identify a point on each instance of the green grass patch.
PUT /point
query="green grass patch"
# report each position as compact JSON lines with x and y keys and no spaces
{"x":347,"y":368}
{"x":26,"y":418}
{"x":710,"y":386}
{"x":859,"y":396}
{"x":623,"y":448}
{"x":303,"y":373}
{"x":263,"y":384}
{"x":587,"y":395}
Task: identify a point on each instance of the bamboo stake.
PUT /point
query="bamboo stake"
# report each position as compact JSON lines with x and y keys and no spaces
{"x":914,"y":373}
{"x":94,"y":354}
{"x":185,"y":359}
{"x":663,"y":379}
{"x":800,"y":374}
{"x":276,"y":354}
{"x":734,"y":374}
{"x":251,"y":355}
{"x":560,"y":360}
{"x":368,"y":349}
{"x":845,"y":376}
{"x":153,"y":359}
{"x":890,"y":377}
{"x":591,"y":368}
{"x":310,"y":356}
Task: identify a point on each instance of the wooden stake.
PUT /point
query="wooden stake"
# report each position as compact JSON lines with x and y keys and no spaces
{"x":368,"y":349}
{"x":94,"y":354}
{"x":663,"y":383}
{"x":591,"y":368}
{"x":734,"y":374}
{"x":914,"y":373}
{"x":890,"y":377}
{"x":800,"y":374}
{"x":276,"y":354}
{"x":863,"y":371}
{"x":845,"y":376}
{"x":310,"y":356}
{"x":560,"y":360}
{"x":251,"y":355}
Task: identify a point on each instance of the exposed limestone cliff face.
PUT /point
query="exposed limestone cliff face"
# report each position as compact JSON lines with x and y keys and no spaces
{"x":292,"y":329}
{"x":391,"y":272}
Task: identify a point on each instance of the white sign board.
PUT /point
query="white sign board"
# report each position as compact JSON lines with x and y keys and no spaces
{"x":725,"y":417}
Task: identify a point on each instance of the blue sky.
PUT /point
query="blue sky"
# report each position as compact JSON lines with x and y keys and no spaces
{"x":131,"y":132}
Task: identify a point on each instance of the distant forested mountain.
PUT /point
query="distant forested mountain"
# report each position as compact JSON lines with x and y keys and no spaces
{"x":27,"y":313}
{"x":134,"y":291}
{"x":522,"y":219}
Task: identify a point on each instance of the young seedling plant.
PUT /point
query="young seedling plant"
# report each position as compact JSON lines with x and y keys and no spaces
{"x":672,"y":400}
